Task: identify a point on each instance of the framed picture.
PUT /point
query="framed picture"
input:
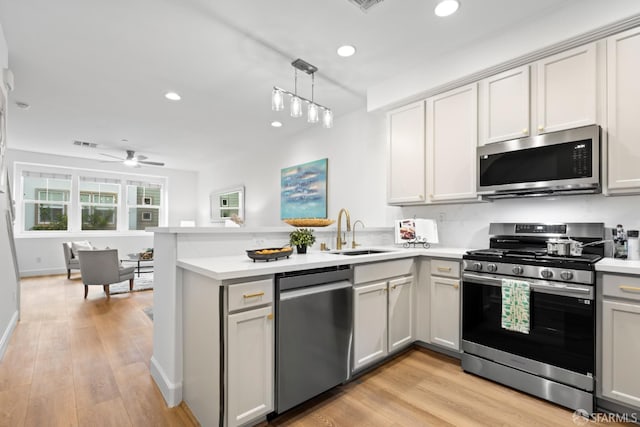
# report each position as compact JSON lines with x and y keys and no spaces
{"x":147,"y":200}
{"x":146,"y":216}
{"x":303,"y":190}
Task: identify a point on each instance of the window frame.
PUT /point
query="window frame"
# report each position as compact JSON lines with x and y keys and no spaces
{"x":74,"y":206}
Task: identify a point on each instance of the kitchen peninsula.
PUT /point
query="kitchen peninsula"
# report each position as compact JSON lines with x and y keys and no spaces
{"x":205,"y":259}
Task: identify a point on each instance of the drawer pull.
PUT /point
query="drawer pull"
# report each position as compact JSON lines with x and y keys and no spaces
{"x":444,"y":269}
{"x":629,"y":288}
{"x":257,"y":294}
{"x":456,"y":286}
{"x":270,"y":316}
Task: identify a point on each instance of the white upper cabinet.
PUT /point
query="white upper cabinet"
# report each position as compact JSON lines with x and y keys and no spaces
{"x":406,"y":175}
{"x":452,"y":137}
{"x":567,"y":89}
{"x":504,"y":106}
{"x":623,"y":110}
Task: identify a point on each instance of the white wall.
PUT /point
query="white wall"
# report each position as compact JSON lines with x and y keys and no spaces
{"x":40,"y":255}
{"x":9,"y":291}
{"x":356,"y":150}
{"x":574,"y":19}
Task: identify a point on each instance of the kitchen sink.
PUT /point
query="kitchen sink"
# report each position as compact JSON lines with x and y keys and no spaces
{"x":362,"y":252}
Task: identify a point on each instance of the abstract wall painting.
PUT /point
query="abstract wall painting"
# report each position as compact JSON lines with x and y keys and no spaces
{"x":303,"y":190}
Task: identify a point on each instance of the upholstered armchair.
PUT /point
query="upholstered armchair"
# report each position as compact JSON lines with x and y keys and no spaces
{"x":70,"y":260}
{"x":102,"y":267}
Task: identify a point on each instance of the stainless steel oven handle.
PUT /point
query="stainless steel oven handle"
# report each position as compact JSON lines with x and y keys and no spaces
{"x":534,"y":284}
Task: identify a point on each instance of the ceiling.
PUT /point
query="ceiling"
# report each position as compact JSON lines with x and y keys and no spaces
{"x":96,"y":71}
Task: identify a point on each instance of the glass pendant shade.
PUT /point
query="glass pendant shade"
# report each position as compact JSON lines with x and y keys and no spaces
{"x":296,"y":107}
{"x":327,"y":119}
{"x":312,"y":113}
{"x":277,"y":100}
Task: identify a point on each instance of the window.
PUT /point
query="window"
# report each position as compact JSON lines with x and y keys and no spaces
{"x":99,"y":203}
{"x":45,"y":199}
{"x":76,"y":200}
{"x":143,"y":202}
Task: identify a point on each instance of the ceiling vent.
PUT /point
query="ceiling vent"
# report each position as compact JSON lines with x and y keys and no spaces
{"x":365,"y":5}
{"x":85,"y":144}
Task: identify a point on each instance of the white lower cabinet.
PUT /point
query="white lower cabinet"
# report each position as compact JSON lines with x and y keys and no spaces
{"x":619,"y":339}
{"x":383,"y":319}
{"x":250,"y":365}
{"x":250,"y":348}
{"x":444,"y":304}
{"x":370,"y":323}
{"x":400,"y":313}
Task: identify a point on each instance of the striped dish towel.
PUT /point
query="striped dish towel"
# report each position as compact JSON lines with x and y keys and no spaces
{"x":515,"y":305}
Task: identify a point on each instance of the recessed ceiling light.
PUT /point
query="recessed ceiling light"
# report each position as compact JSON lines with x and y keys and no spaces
{"x":446,"y":7}
{"x":172,"y":96}
{"x":276,"y":124}
{"x":346,"y":50}
{"x":22,"y":105}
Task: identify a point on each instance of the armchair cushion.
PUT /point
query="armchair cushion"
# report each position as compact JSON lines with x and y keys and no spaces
{"x":80,"y":246}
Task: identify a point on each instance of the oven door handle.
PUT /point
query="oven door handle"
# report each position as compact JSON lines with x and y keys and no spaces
{"x":533,"y":284}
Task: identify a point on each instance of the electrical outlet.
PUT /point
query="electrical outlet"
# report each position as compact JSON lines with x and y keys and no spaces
{"x":442,"y":217}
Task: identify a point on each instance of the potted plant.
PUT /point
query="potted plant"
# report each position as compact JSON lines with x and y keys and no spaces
{"x":301,"y":238}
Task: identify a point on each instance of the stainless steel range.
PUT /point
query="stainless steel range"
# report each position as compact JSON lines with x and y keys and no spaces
{"x":552,"y":357}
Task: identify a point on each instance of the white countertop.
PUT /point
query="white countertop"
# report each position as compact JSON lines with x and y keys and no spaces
{"x":237,"y":266}
{"x":617,"y":265}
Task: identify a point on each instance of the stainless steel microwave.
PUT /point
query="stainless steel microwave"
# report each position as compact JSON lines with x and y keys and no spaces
{"x":563,"y":162}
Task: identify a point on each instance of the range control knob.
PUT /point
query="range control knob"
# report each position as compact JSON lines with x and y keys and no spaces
{"x":566,"y":275}
{"x":517,"y":269}
{"x":546,"y":273}
{"x":477,"y":266}
{"x":492,"y":268}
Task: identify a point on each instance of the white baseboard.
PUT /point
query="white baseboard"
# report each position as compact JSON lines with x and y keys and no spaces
{"x":6,"y":336}
{"x":46,"y":272}
{"x":171,"y":392}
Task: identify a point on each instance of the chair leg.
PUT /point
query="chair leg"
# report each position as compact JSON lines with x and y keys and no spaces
{"x":68,"y":273}
{"x":106,"y":290}
{"x":86,"y":291}
{"x":131,"y":284}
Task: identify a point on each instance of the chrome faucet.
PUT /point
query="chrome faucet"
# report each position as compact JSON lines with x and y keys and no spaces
{"x":339,"y":240}
{"x":353,"y":237}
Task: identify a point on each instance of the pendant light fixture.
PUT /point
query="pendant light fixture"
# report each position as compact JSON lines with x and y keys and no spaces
{"x":314,"y":110}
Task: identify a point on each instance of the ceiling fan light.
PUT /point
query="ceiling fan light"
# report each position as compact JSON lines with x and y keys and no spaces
{"x":296,"y":106}
{"x":327,"y":119}
{"x":277,"y":100}
{"x":312,"y":113}
{"x":131,"y":162}
{"x":446,"y":7}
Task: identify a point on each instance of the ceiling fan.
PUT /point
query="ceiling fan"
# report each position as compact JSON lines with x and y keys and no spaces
{"x":132,"y":160}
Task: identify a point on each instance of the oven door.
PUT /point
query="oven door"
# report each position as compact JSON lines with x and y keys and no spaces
{"x":561,"y":340}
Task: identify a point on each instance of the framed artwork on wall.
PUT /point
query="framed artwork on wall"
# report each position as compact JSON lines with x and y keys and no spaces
{"x":303,"y":190}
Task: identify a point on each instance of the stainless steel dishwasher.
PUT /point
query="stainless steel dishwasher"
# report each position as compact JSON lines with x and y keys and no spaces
{"x":314,"y":327}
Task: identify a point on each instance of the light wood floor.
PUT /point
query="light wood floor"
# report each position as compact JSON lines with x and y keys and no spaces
{"x":86,"y":362}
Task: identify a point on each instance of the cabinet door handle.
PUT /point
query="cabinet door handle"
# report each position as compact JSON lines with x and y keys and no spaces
{"x":394,"y":286}
{"x":456,"y":286}
{"x":525,"y":130}
{"x":629,"y":288}
{"x":270,"y":316}
{"x":420,"y":196}
{"x":444,"y":269}
{"x":257,"y":294}
{"x":540,"y":128}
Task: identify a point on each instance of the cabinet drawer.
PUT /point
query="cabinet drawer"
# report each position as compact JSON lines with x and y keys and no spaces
{"x":621,"y":286}
{"x":382,"y":270}
{"x":250,"y":294}
{"x":440,"y":267}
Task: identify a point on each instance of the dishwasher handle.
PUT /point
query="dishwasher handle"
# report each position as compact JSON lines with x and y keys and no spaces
{"x":312,"y":290}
